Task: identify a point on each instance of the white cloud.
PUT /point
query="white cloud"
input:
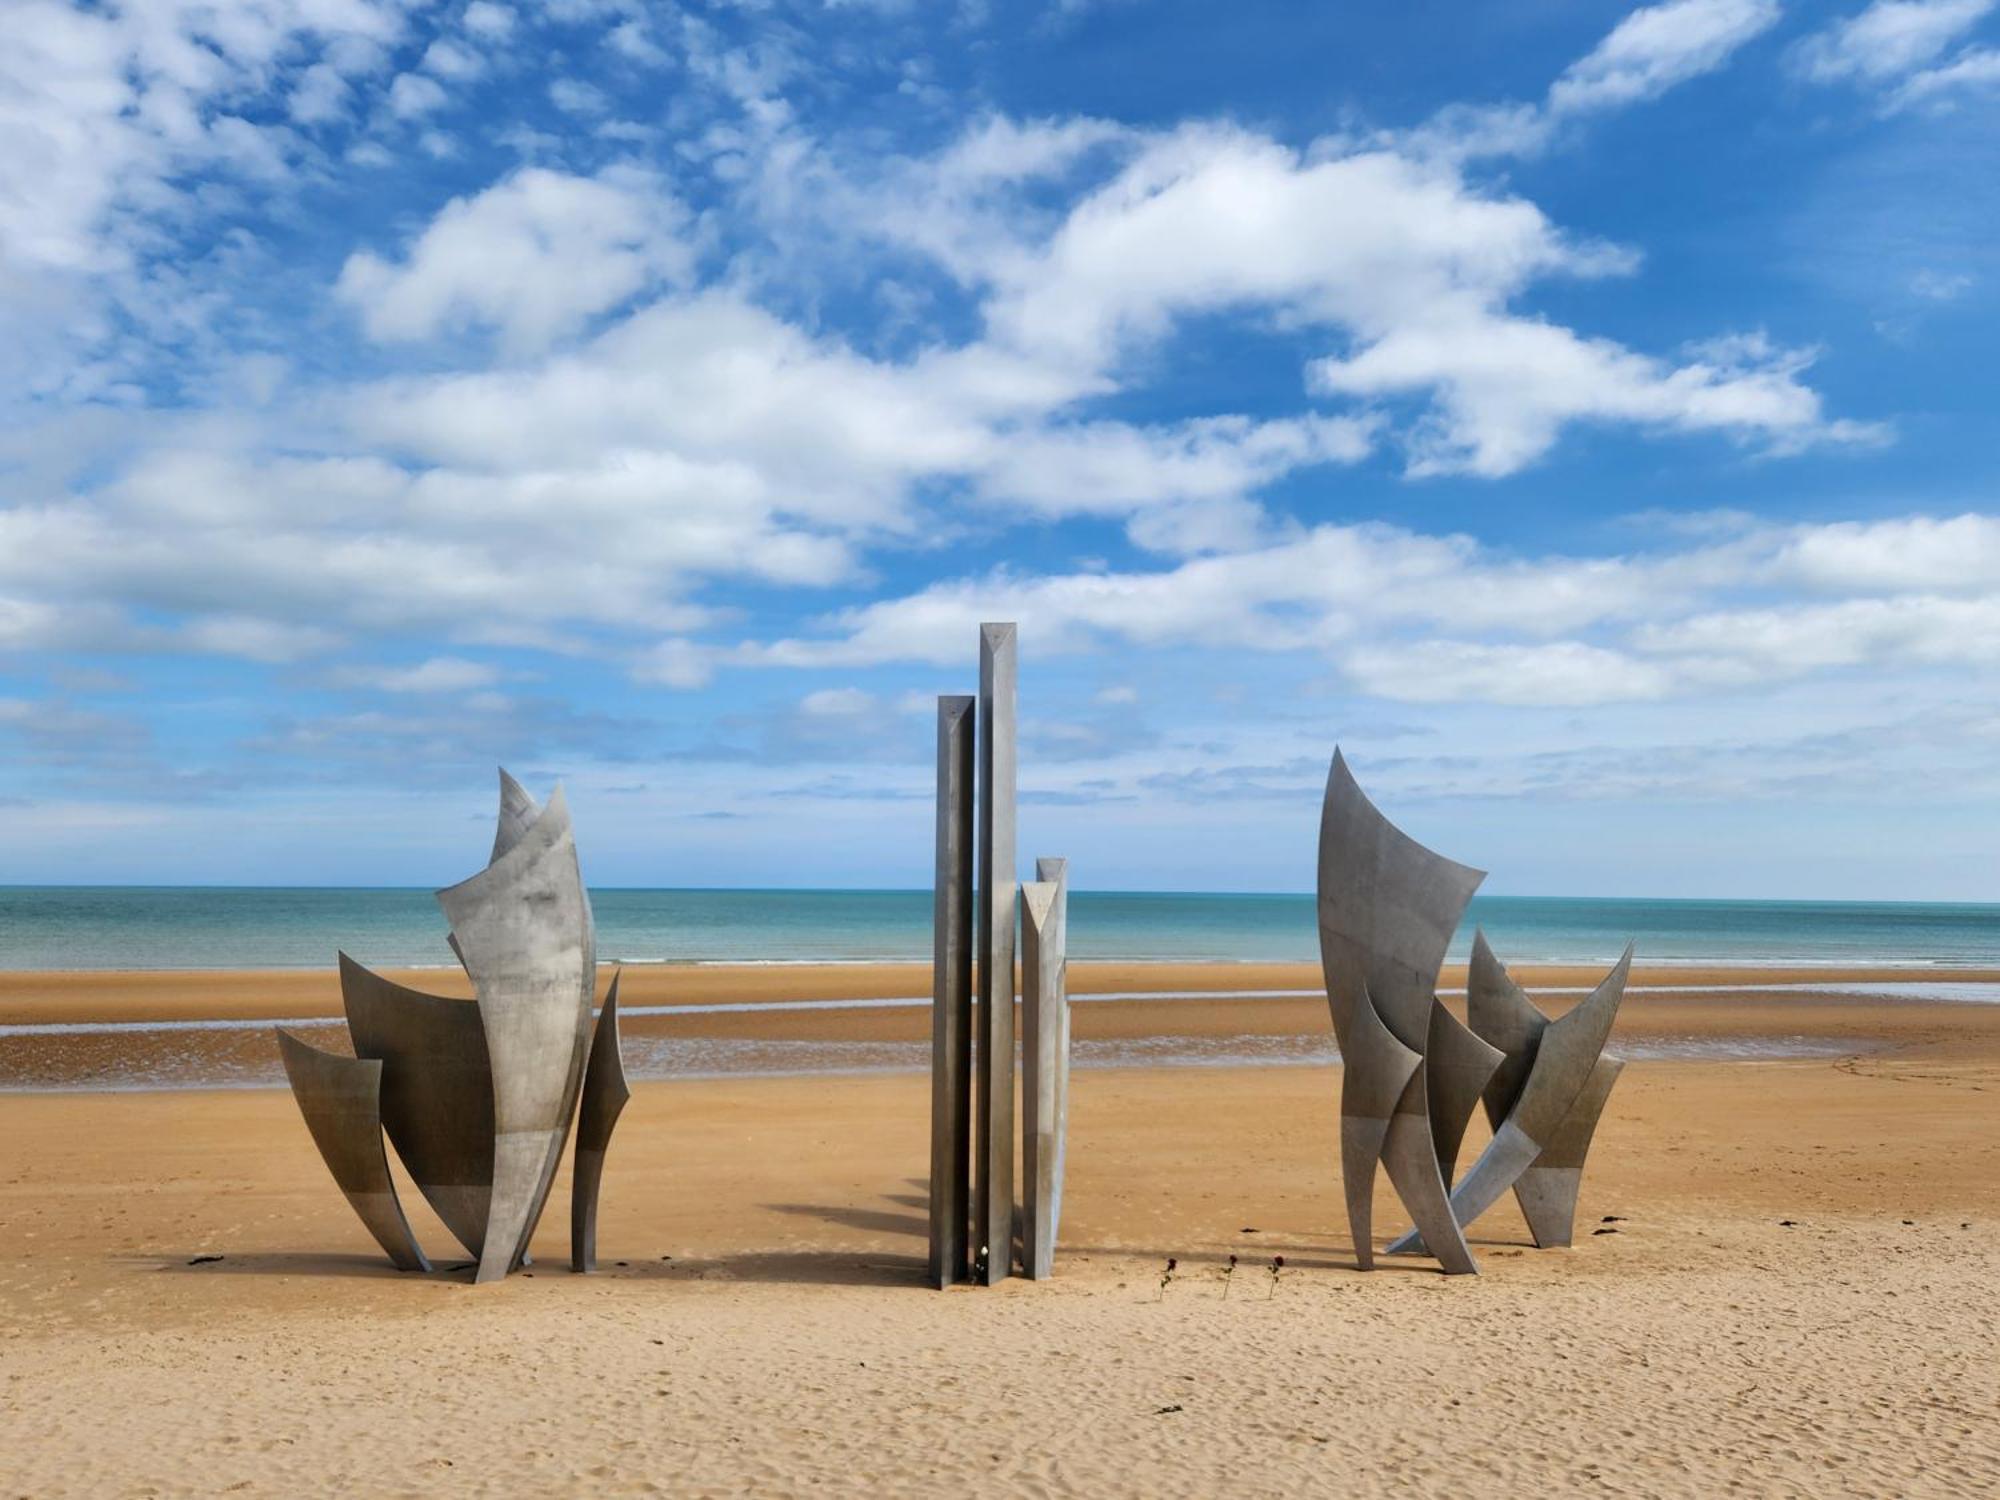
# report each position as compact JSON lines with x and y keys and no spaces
{"x":414,"y":95}
{"x":1565,"y":674}
{"x":534,"y":256}
{"x":1425,"y":619}
{"x":575,"y":97}
{"x":1900,"y":47}
{"x":1975,"y":68}
{"x":438,"y":674}
{"x":1657,"y":47}
{"x":1654,"y":49}
{"x":1888,"y":40}
{"x":489,"y":21}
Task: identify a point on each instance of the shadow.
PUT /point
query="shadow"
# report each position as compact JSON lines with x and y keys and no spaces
{"x":1297,"y":1258}
{"x":872,"y":1220}
{"x":791,"y":1267}
{"x":294,"y":1263}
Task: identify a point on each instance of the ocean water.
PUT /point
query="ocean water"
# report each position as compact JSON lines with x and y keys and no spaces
{"x":199,"y":927}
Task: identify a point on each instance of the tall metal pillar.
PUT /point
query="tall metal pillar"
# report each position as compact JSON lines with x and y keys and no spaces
{"x":951,"y":997}
{"x":993,"y":1197}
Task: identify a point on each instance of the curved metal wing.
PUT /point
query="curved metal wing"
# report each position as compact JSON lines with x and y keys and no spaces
{"x":1547,"y":1190}
{"x":1457,"y":1067}
{"x":524,"y":927}
{"x":518,"y":811}
{"x":1499,"y":1012}
{"x":1569,"y":1051}
{"x":339,"y":1098}
{"x":1387,"y":909}
{"x":437,"y":1092}
{"x":605,"y":1093}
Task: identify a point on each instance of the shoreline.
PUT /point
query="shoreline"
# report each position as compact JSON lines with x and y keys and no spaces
{"x":136,"y":1032}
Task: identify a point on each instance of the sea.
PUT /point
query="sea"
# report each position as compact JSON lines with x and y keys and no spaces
{"x":268,"y":927}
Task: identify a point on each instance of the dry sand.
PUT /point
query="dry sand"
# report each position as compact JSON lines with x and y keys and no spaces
{"x":759,"y":1325}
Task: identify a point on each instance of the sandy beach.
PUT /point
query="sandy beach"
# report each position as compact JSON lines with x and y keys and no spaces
{"x":1788,"y":1289}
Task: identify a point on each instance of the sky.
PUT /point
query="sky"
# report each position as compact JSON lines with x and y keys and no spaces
{"x":1582,"y":414}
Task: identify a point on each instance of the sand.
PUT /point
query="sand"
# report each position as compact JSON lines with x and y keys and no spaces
{"x":1797,"y":1295}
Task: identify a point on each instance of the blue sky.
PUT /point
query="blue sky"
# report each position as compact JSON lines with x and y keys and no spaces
{"x":1578,"y":412}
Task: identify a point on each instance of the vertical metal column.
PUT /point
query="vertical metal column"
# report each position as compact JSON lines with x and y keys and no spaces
{"x":993,"y":1205}
{"x":951,"y":997}
{"x":1044,"y":1061}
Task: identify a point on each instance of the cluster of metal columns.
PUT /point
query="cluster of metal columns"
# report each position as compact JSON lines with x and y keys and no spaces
{"x":973,"y":1119}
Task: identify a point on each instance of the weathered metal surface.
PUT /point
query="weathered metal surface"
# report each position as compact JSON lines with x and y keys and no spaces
{"x":1502,"y":1013}
{"x":1387,"y":909}
{"x":1457,"y":1065}
{"x":605,"y":1093}
{"x":339,"y":1097}
{"x":524,"y":927}
{"x":1547,"y":1190}
{"x":993,"y":1189}
{"x":1375,"y":1070}
{"x":518,"y":811}
{"x":1499,"y":1012}
{"x":1409,"y":1157}
{"x":1564,"y":1060}
{"x":437,"y":1092}
{"x":1044,"y":1062}
{"x":951,"y":997}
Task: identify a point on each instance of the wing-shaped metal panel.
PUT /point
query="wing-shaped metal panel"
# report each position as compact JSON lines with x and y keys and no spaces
{"x":1499,"y":1012}
{"x":1044,"y":1062}
{"x":1457,"y":1066}
{"x":1564,"y":1060}
{"x":1387,"y":909}
{"x":524,"y":927}
{"x":1547,"y":1190}
{"x":437,"y":1092}
{"x":518,"y":811}
{"x":339,"y":1097}
{"x":605,"y":1093}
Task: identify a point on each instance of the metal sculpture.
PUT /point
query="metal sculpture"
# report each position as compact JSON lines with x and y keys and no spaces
{"x":951,"y":987}
{"x":1044,"y":1061}
{"x":605,"y":1094}
{"x":524,"y":926}
{"x":339,"y":1096}
{"x":972,"y":1233}
{"x":437,"y":1092}
{"x":478,"y":1096}
{"x":1412,"y":1073}
{"x":993,"y":1189}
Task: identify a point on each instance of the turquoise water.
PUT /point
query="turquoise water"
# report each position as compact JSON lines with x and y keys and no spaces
{"x":196,"y":927}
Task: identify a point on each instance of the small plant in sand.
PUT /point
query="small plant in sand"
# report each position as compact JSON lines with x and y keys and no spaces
{"x":1277,"y":1270}
{"x":1228,"y":1274}
{"x":1167,"y":1278}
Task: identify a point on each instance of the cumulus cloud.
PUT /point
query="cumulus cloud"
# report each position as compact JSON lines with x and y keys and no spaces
{"x":533,"y":257}
{"x":1442,"y":619}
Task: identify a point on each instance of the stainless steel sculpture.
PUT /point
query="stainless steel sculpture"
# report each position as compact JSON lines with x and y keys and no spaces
{"x":524,"y":926}
{"x":1044,"y":1061}
{"x":1411,"y":1073}
{"x":437,"y":1092}
{"x":339,"y":1098}
{"x":993,"y":1192}
{"x":605,"y":1094}
{"x":478,"y":1096}
{"x":951,"y":992}
{"x":1498,"y":1010}
{"x":975,"y":804}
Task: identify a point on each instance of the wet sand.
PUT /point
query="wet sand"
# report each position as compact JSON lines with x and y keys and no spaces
{"x":767,"y":1332}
